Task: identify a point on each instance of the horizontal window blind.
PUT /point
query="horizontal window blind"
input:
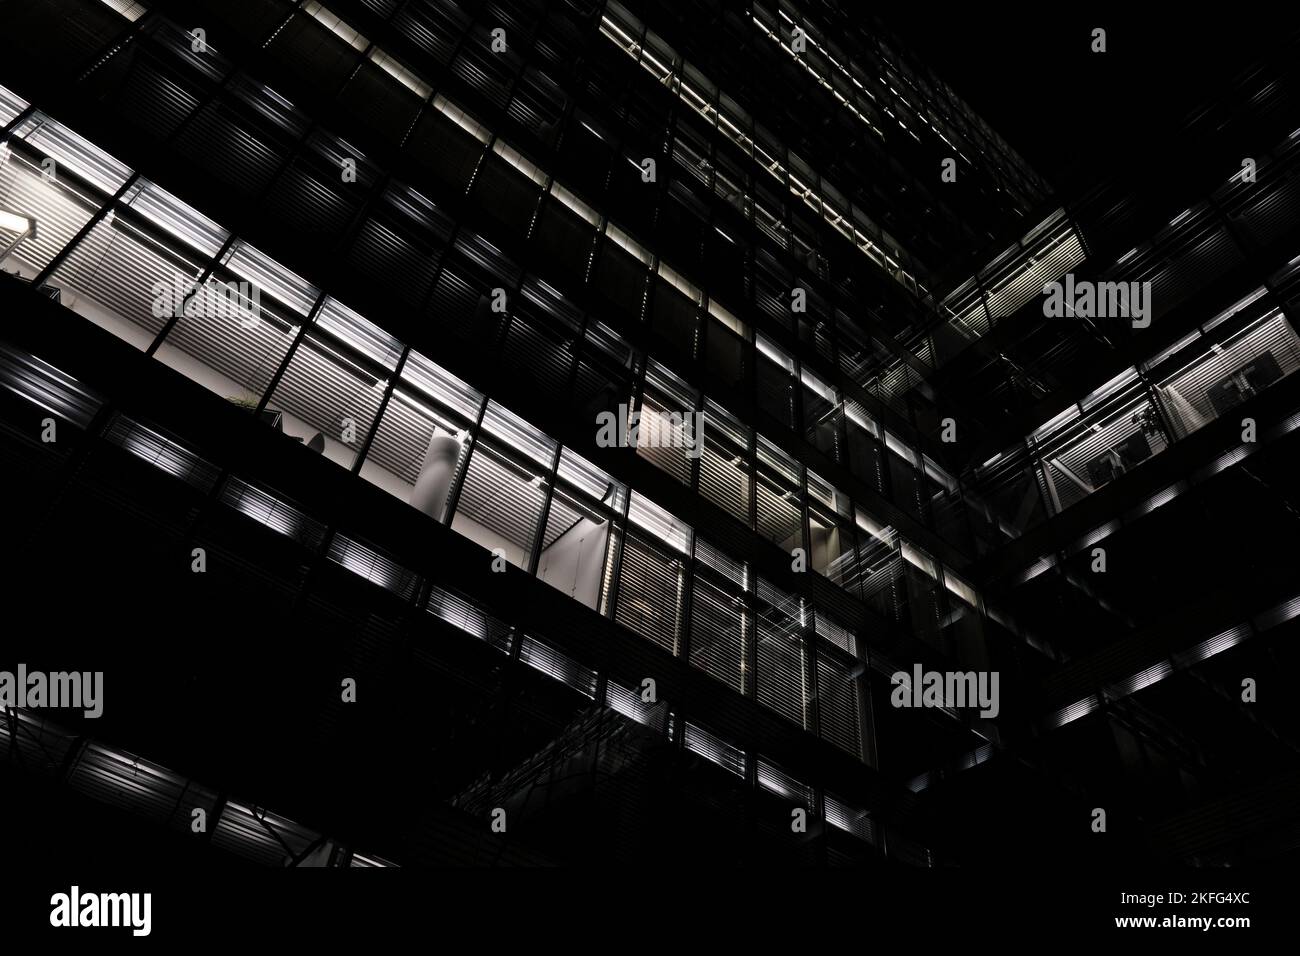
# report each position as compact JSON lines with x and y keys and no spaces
{"x":650,"y":591}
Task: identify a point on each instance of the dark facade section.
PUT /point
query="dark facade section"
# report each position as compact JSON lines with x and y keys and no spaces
{"x":325,"y":327}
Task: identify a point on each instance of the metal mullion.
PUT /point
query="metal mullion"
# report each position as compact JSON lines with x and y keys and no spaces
{"x":394,"y":377}
{"x":17,"y":121}
{"x":235,"y":70}
{"x":307,"y":323}
{"x":688,"y":603}
{"x":812,"y":684}
{"x":376,"y":191}
{"x":109,"y":50}
{"x":290,"y":157}
{"x":58,"y":258}
{"x":135,"y":176}
{"x":225,"y":473}
{"x":616,"y":571}
{"x":698,"y":430}
{"x":453,"y":498}
{"x":510,"y":94}
{"x":539,"y":536}
{"x":179,"y":311}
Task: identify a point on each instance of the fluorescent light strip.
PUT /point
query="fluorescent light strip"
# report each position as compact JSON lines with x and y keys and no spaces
{"x":128,"y":8}
{"x":400,"y":73}
{"x":335,"y":24}
{"x":14,"y":223}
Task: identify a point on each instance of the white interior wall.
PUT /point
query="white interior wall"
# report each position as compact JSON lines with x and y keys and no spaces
{"x":574,"y":561}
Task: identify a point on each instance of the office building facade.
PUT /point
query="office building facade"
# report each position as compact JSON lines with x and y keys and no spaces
{"x":327,"y":327}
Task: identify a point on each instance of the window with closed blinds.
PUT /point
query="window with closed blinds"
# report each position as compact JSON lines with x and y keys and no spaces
{"x":924,"y":602}
{"x":463,"y":613}
{"x":720,"y":630}
{"x":724,"y":462}
{"x":446,"y":145}
{"x":231,"y":356}
{"x":832,"y":549}
{"x":488,"y":73}
{"x":557,"y":665}
{"x":400,"y":237}
{"x":1231,"y":371}
{"x":772,"y":283}
{"x":666,"y":430}
{"x":829,"y":630}
{"x":675,"y":311}
{"x":853,"y":820}
{"x":650,"y":590}
{"x":780,"y":518}
{"x":822,"y":416}
{"x":564,"y":234}
{"x":775,"y":780}
{"x":880,"y":566}
{"x":714,"y":749}
{"x":839,"y":697}
{"x":622,"y":271}
{"x":604,"y":379}
{"x":652,"y":579}
{"x":270,"y":509}
{"x":866,"y":456}
{"x":373,"y":565}
{"x":776,"y":382}
{"x":541,"y":339}
{"x":120,"y":265}
{"x":726,"y":349}
{"x":504,"y":489}
{"x":629,"y":703}
{"x":335,"y":381}
{"x":421,"y":440}
{"x":155,"y":448}
{"x":310,"y":198}
{"x":782,"y":681}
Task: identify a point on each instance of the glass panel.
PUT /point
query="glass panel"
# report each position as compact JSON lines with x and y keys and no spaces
{"x":584,"y":509}
{"x":782,"y":661}
{"x":839,"y":696}
{"x":1121,"y":430}
{"x":422,"y":441}
{"x":721,"y":623}
{"x":776,"y":382}
{"x":505,"y":486}
{"x":668,"y":428}
{"x":138,"y":266}
{"x":1229,"y":372}
{"x":330,"y":392}
{"x":652,"y":579}
{"x":779,"y":509}
{"x":724,"y":463}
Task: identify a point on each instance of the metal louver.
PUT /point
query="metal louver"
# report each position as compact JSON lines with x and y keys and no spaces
{"x":557,"y":665}
{"x":714,"y":749}
{"x":268,"y":509}
{"x":650,"y":591}
{"x":839,"y":701}
{"x":783,"y":681}
{"x":47,"y":387}
{"x":774,"y":780}
{"x":720,"y":632}
{"x":373,"y":565}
